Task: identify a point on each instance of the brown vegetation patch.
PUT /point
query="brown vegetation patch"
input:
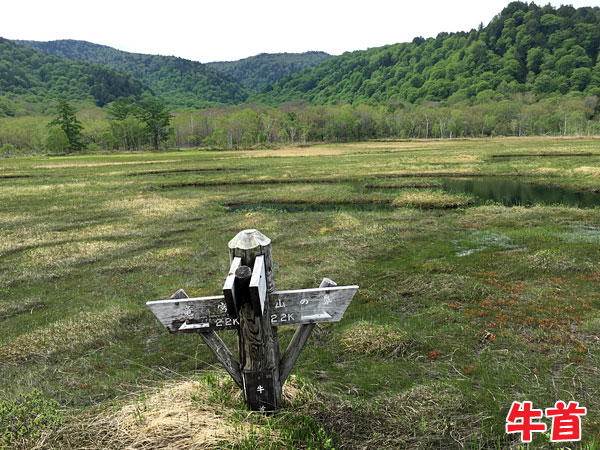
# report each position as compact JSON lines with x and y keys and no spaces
{"x":548,"y":319}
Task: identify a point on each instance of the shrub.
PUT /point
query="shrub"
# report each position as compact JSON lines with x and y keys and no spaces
{"x":25,"y":420}
{"x":57,"y":140}
{"x":7,"y":150}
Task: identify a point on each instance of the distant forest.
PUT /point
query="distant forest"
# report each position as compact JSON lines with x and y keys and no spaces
{"x":531,"y":71}
{"x":258,"y":72}
{"x":526,"y":48}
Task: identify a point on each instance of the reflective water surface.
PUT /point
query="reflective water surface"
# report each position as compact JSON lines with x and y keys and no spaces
{"x":511,"y":192}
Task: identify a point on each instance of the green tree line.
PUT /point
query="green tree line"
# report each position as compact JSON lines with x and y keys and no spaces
{"x":298,"y":123}
{"x":126,"y":124}
{"x":132,"y":125}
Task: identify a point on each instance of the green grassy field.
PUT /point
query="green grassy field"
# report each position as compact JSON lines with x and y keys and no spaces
{"x":461,"y":310}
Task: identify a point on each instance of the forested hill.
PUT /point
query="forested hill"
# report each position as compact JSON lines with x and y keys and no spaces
{"x":178,"y":82}
{"x":525,"y":48}
{"x":257,"y":72}
{"x":35,"y":77}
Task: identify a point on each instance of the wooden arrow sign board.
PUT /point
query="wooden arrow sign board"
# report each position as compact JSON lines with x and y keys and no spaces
{"x":286,"y":308}
{"x":310,"y":305}
{"x":251,"y":306}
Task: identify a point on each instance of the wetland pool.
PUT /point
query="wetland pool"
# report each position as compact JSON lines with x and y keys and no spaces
{"x":501,"y":190}
{"x":510,"y":192}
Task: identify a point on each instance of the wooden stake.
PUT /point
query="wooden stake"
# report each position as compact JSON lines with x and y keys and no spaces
{"x":258,"y":343}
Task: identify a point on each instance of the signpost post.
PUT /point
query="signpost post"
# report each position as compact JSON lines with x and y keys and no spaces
{"x":251,"y":305}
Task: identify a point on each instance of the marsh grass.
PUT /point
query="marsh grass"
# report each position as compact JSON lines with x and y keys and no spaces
{"x":431,"y":200}
{"x":461,"y":310}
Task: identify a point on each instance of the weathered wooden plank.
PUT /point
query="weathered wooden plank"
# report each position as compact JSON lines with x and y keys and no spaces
{"x":309,"y":305}
{"x":289,"y":358}
{"x":218,"y":347}
{"x":229,"y":288}
{"x":258,"y":286}
{"x":188,"y":315}
{"x":288,"y":307}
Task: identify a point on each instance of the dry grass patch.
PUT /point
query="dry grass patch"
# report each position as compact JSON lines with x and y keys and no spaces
{"x":153,"y":207}
{"x":588,"y":170}
{"x":48,"y":262}
{"x":165,"y":254}
{"x":346,"y":222}
{"x":259,"y":220}
{"x":181,"y":415}
{"x":296,"y":151}
{"x":341,"y":222}
{"x":82,"y":330}
{"x":14,"y":308}
{"x":547,"y":171}
{"x":556,"y":262}
{"x":69,"y":254}
{"x":178,"y":416}
{"x":7,"y":219}
{"x":366,"y":338}
{"x":431,"y":200}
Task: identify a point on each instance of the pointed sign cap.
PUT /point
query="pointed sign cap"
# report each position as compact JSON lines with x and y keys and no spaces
{"x":249,"y":239}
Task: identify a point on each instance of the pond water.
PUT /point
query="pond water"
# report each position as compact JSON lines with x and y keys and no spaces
{"x":511,"y":192}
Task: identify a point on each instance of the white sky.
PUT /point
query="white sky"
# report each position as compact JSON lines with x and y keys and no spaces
{"x":226,"y":30}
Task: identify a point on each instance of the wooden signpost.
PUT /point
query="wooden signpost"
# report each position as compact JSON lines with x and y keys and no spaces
{"x":251,"y":305}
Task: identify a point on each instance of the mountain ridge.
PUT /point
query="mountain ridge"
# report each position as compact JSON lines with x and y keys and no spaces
{"x":257,"y":72}
{"x":179,"y":82}
{"x":526,"y":48}
{"x":35,"y":76}
{"x":219,"y":82}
